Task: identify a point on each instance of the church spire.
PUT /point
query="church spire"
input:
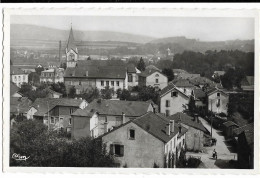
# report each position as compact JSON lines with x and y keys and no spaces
{"x":71,"y":42}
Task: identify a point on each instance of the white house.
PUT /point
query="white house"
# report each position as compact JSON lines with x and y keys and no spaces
{"x":217,"y":101}
{"x":18,"y":76}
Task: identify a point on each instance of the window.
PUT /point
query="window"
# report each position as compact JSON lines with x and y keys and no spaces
{"x":184,"y":90}
{"x":130,"y":78}
{"x":107,"y":83}
{"x":167,"y":112}
{"x":117,"y":83}
{"x":218,"y":94}
{"x":56,"y":120}
{"x":218,"y":103}
{"x":174,"y":94}
{"x":183,"y":141}
{"x":156,"y":75}
{"x":167,"y":103}
{"x":19,"y":78}
{"x":71,"y":110}
{"x":112,"y":83}
{"x":157,"y":80}
{"x":131,"y":134}
{"x":70,"y":121}
{"x":14,"y":78}
{"x":52,"y":120}
{"x":102,"y":83}
{"x":117,"y":150}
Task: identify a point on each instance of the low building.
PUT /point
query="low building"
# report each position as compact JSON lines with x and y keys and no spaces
{"x":55,"y":112}
{"x":101,"y":114}
{"x":154,"y":78}
{"x":146,"y":141}
{"x":195,"y":135}
{"x":173,"y":100}
{"x":53,"y":75}
{"x":18,"y":76}
{"x":217,"y":101}
{"x":247,"y":84}
{"x":132,"y":73}
{"x":228,"y":128}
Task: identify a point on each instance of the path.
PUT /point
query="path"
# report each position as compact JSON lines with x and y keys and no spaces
{"x":225,"y":153}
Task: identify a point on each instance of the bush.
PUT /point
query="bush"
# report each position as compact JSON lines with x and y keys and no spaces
{"x":193,"y":162}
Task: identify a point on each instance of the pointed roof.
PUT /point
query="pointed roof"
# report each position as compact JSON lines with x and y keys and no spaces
{"x":71,"y":42}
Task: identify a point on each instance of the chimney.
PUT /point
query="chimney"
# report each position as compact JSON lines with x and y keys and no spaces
{"x":123,"y":117}
{"x":179,"y":128}
{"x":168,"y":129}
{"x":172,"y":125}
{"x":86,"y":73}
{"x":105,"y":127}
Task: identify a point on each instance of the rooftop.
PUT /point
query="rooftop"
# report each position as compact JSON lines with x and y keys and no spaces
{"x":182,"y":83}
{"x":229,"y":124}
{"x":187,"y":120}
{"x":199,"y":93}
{"x":20,"y":105}
{"x":245,"y":128}
{"x":171,"y":87}
{"x":114,"y":107}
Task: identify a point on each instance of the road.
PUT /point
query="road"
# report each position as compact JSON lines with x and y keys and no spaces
{"x":224,"y":151}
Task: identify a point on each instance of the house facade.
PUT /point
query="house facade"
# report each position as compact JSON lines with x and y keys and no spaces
{"x":18,"y":76}
{"x":195,"y":135}
{"x":152,"y":78}
{"x":172,"y":100}
{"x":53,"y":75}
{"x":132,"y":75}
{"x":146,"y":141}
{"x":101,"y":115}
{"x":217,"y":101}
{"x":184,"y":85}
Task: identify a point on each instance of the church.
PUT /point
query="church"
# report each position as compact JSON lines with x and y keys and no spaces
{"x":89,"y":74}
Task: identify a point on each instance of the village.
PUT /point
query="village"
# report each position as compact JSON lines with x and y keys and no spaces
{"x":145,"y":116}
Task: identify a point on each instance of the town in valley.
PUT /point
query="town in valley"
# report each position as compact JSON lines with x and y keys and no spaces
{"x":137,"y":102}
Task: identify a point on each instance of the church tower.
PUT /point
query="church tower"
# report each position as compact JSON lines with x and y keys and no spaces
{"x":71,"y":51}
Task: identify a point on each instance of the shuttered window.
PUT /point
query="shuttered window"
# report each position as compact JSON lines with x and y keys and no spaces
{"x":117,"y":150}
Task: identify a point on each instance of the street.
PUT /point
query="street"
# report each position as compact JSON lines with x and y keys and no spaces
{"x":224,"y":151}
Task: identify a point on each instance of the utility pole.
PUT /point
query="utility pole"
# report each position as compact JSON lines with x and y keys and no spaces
{"x":211,"y":118}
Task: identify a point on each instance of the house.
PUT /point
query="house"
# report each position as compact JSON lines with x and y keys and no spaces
{"x":146,"y":141}
{"x":195,"y":135}
{"x":55,"y":112}
{"x":245,"y":148}
{"x":18,"y":76}
{"x":173,"y":100}
{"x":101,"y":114}
{"x":184,"y":85}
{"x":199,"y":97}
{"x":217,"y":74}
{"x":53,"y":94}
{"x":178,"y":72}
{"x":53,"y":75}
{"x":19,"y":105}
{"x":14,"y":90}
{"x":217,"y":101}
{"x":152,"y":77}
{"x":247,"y":84}
{"x":132,"y":73}
{"x":228,"y":128}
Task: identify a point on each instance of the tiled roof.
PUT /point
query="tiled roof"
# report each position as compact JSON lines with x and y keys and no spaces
{"x":114,"y":107}
{"x":16,"y":71}
{"x":219,"y":72}
{"x":248,"y":128}
{"x":182,"y":83}
{"x":213,"y":90}
{"x":248,"y":81}
{"x":148,"y":72}
{"x":152,"y":67}
{"x":53,"y":92}
{"x":20,"y":105}
{"x":169,"y":88}
{"x":156,"y":126}
{"x":199,"y":93}
{"x":249,"y":138}
{"x":43,"y":105}
{"x":177,"y":71}
{"x":187,"y":120}
{"x":131,"y":68}
{"x":97,"y":69}
{"x":13,"y":88}
{"x":229,"y":123}
{"x":187,"y":76}
{"x":202,"y":81}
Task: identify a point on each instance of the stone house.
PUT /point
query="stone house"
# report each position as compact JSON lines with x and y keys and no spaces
{"x":152,"y":77}
{"x":195,"y":135}
{"x":145,"y":141}
{"x":101,"y":115}
{"x":217,"y":101}
{"x":173,"y":100}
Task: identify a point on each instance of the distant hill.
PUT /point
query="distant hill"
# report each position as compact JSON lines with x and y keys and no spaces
{"x":32,"y":32}
{"x":180,"y":44}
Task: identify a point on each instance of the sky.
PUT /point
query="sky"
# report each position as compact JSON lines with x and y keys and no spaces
{"x":202,"y":28}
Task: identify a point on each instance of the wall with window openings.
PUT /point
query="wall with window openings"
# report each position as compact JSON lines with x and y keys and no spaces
{"x":157,"y":80}
{"x":112,"y":83}
{"x":141,"y":151}
{"x":217,"y":102}
{"x":19,"y":79}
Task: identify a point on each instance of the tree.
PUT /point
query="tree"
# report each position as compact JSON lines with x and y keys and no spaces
{"x":63,"y":65}
{"x":38,"y":70}
{"x":141,"y":65}
{"x":107,"y":93}
{"x":90,"y":95}
{"x":72,"y":92}
{"x":147,"y":93}
{"x":33,"y":77}
{"x":169,"y":73}
{"x":89,"y":58}
{"x":192,"y":105}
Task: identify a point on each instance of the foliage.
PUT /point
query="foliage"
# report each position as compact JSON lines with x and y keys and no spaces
{"x":89,"y":95}
{"x":123,"y":94}
{"x":59,"y":87}
{"x":147,"y":93}
{"x":155,"y":165}
{"x":33,"y":77}
{"x":49,"y":149}
{"x":63,"y":65}
{"x":107,"y":93}
{"x":193,"y":162}
{"x":38,"y":70}
{"x":232,"y":78}
{"x":141,"y":65}
{"x":192,"y":105}
{"x":181,"y":161}
{"x":89,"y":58}
{"x":27,"y":91}
{"x":169,"y":73}
{"x":72,"y":92}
